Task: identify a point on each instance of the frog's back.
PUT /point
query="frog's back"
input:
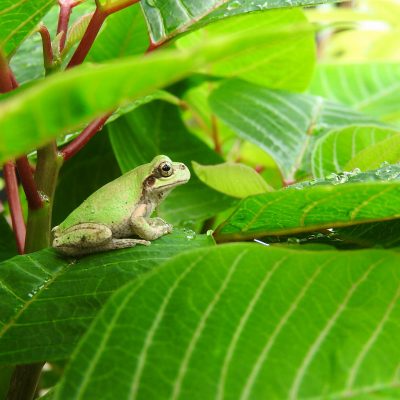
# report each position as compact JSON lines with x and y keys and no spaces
{"x":110,"y":204}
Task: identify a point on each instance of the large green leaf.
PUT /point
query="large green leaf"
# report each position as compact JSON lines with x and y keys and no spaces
{"x":279,"y":122}
{"x":167,"y":18}
{"x":293,"y":211}
{"x":347,"y":147}
{"x":373,"y":88}
{"x":275,"y":65}
{"x":247,"y":322}
{"x":64,"y":101}
{"x":48,"y":301}
{"x":18,"y":19}
{"x":233,"y":179}
{"x":157,"y":128}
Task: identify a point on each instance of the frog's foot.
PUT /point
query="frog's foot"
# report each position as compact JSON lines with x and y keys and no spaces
{"x":150,"y":228}
{"x":159,"y":223}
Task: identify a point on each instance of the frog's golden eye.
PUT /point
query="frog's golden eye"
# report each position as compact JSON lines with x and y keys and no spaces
{"x":165,"y":169}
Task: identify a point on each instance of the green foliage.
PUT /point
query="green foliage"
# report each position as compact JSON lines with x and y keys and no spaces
{"x":233,"y":179}
{"x":46,"y":296}
{"x":281,"y":123}
{"x":372,"y":88}
{"x":286,"y":147}
{"x":247,"y":330}
{"x":18,"y":19}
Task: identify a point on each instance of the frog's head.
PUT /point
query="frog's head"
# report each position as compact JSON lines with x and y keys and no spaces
{"x":164,"y":175}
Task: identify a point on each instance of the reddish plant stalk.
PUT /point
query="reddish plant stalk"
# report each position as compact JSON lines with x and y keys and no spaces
{"x":6,"y":83}
{"x":215,"y":136}
{"x":15,"y":205}
{"x":63,"y":21}
{"x":25,"y":171}
{"x":72,"y":148}
{"x":88,"y":38}
{"x":47,"y":49}
{"x":28,"y":183}
{"x":93,"y":29}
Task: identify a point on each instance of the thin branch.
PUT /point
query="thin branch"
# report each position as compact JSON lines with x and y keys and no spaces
{"x":72,"y":148}
{"x":6,"y":83}
{"x":24,"y":381}
{"x":63,"y":21}
{"x":28,"y":183}
{"x":119,"y":7}
{"x":15,"y":205}
{"x":88,"y":38}
{"x":48,"y":56}
{"x":215,"y":135}
{"x":93,"y":29}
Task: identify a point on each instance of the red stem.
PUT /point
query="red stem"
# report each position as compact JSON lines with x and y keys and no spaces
{"x":215,"y":136}
{"x":63,"y":21}
{"x":15,"y":205}
{"x":28,"y":183}
{"x":72,"y":148}
{"x":47,"y":49}
{"x":88,"y":38}
{"x":6,"y":83}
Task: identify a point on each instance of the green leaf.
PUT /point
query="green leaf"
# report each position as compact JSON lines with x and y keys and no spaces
{"x":157,"y":128}
{"x":167,"y":18}
{"x":293,"y":211}
{"x":64,"y":101}
{"x":18,"y":19}
{"x":388,"y":150}
{"x":279,"y":122}
{"x":124,"y":34}
{"x":363,"y":147}
{"x":233,"y":179}
{"x":268,"y":65}
{"x":48,"y":301}
{"x":243,"y":321}
{"x":373,"y":88}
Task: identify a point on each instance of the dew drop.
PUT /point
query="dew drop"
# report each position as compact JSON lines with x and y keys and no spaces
{"x":233,"y":5}
{"x":190,"y":235}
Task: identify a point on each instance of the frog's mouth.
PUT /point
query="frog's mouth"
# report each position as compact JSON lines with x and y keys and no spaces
{"x":171,"y":185}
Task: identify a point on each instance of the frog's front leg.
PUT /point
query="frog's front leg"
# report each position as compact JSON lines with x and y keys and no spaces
{"x":89,"y":238}
{"x":148,"y":228}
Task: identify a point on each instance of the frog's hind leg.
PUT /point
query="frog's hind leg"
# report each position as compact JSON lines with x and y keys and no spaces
{"x":89,"y":238}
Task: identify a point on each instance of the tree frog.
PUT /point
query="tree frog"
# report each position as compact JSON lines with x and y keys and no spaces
{"x":109,"y":218}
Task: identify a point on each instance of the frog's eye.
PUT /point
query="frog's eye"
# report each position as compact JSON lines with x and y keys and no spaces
{"x":165,"y":169}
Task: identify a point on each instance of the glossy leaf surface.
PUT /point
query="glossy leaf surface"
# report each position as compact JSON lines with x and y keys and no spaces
{"x":372,"y":88}
{"x":252,"y":322}
{"x":167,"y":18}
{"x":233,"y":179}
{"x":49,"y":301}
{"x":279,"y":122}
{"x":18,"y":19}
{"x":275,"y":63}
{"x":313,"y":208}
{"x":348,"y":148}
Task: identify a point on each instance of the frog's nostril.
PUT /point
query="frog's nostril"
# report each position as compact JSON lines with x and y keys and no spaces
{"x":182,"y":166}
